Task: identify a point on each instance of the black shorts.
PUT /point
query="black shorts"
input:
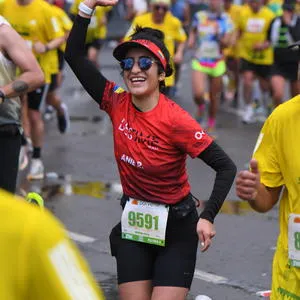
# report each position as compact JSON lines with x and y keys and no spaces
{"x":172,"y":265}
{"x":36,"y":97}
{"x":61,"y":59}
{"x":53,"y":84}
{"x":263,"y":71}
{"x":287,"y":70}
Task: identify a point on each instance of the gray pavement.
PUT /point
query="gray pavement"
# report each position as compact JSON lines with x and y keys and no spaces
{"x":83,"y":189}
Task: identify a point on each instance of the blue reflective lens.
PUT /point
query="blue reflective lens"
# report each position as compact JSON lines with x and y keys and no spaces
{"x":144,"y":63}
{"x":127,"y":63}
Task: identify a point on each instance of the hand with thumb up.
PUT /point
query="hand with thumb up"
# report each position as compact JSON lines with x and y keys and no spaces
{"x":248,"y":182}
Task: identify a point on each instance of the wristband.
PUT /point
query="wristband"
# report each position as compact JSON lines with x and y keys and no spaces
{"x":46,"y":48}
{"x":85,"y":9}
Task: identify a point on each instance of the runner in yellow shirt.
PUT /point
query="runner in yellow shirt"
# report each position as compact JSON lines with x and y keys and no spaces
{"x":37,"y":259}
{"x":275,"y":169}
{"x":161,"y":18}
{"x":53,"y":99}
{"x":256,"y":51}
{"x":34,"y":21}
{"x":97,"y":30}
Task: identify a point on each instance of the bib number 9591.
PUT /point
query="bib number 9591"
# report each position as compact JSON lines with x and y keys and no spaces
{"x":143,"y":220}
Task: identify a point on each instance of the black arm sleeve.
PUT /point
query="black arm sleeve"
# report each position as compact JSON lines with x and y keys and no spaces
{"x":295,"y":30}
{"x":269,"y":32}
{"x":86,"y":72}
{"x":217,"y":159}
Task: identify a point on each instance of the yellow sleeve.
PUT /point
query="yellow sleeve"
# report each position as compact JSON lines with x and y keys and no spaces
{"x":65,"y":21}
{"x":74,"y":7}
{"x":53,"y":27}
{"x":180,"y":36}
{"x":57,"y":269}
{"x":267,"y":153}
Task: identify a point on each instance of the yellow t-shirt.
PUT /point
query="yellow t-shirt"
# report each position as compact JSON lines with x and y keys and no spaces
{"x":35,"y":22}
{"x":37,"y":259}
{"x":97,"y":29}
{"x":254,"y":29}
{"x":171,"y":27}
{"x":277,"y":153}
{"x":234,"y":13}
{"x":64,"y":20}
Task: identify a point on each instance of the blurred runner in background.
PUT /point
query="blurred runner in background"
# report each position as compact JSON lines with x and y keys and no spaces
{"x":14,"y":54}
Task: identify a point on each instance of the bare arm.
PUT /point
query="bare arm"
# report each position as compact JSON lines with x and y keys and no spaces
{"x":192,"y":39}
{"x":250,"y":188}
{"x":266,"y":198}
{"x":15,"y":48}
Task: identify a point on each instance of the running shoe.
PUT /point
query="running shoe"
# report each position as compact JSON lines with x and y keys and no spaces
{"x":36,"y":171}
{"x":248,"y":114}
{"x":202,"y":297}
{"x":29,"y":144}
{"x":63,"y":121}
{"x":35,"y":198}
{"x":23,"y":158}
{"x":200,"y":114}
{"x":49,"y":113}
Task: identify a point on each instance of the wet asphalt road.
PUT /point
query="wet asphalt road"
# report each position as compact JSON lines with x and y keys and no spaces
{"x":83,"y":189}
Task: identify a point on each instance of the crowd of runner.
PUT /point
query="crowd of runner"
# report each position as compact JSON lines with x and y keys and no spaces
{"x":240,"y":56}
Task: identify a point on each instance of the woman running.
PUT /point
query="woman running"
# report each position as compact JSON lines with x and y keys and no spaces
{"x":155,"y":244}
{"x":212,"y":30}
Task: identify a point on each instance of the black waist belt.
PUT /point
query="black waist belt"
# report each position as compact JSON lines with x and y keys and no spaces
{"x":179,"y":210}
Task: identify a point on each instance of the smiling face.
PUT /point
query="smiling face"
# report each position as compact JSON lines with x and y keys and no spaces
{"x":142,"y":82}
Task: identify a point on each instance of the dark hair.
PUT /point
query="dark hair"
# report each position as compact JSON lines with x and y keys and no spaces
{"x":157,"y":37}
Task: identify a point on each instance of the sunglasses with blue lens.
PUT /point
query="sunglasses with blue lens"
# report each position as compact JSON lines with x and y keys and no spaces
{"x":144,"y":63}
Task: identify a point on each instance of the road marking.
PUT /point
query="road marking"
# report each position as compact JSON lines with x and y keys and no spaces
{"x":209,"y":277}
{"x":264,"y":293}
{"x":81,"y":238}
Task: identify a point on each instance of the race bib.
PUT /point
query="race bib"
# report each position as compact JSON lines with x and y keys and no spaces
{"x":208,"y":49}
{"x":255,"y":25}
{"x":145,"y":222}
{"x":294,"y":240}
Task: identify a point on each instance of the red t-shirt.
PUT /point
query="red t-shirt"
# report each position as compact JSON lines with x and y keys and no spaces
{"x":151,"y":147}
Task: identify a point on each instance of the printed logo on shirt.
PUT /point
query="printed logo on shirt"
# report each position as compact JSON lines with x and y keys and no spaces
{"x":118,"y":89}
{"x":129,"y":160}
{"x":151,"y":141}
{"x":255,"y":25}
{"x":199,"y":135}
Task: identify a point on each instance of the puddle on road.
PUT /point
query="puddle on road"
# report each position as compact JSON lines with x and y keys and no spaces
{"x":232,"y":207}
{"x":55,"y":185}
{"x":235,"y":207}
{"x":93,"y":119}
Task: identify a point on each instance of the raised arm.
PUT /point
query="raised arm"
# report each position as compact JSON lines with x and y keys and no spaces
{"x":86,"y":72}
